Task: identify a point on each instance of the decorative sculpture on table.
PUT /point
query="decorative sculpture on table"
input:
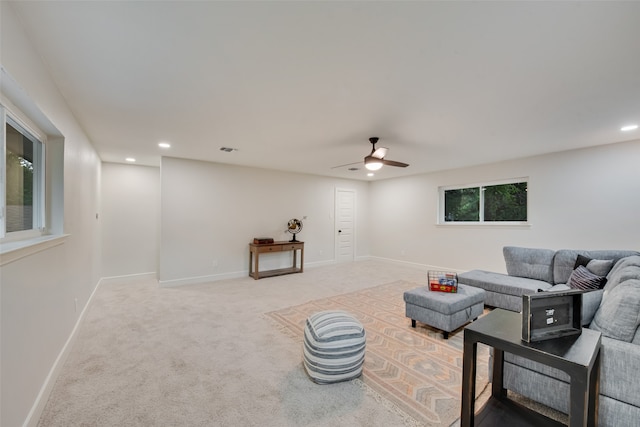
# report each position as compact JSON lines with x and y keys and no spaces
{"x":294,"y":226}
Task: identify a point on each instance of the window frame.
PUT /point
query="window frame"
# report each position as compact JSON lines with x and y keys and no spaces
{"x":18,"y":103}
{"x":481,"y":222}
{"x":39,"y":178}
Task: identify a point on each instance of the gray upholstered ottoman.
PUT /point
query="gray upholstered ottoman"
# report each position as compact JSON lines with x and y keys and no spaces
{"x":443,"y":310}
{"x":333,"y":349}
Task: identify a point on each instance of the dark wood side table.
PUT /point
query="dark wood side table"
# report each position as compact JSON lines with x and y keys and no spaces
{"x":578,"y":356}
{"x":255,"y":250}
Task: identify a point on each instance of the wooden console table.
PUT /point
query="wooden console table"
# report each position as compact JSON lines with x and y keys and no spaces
{"x":255,"y":250}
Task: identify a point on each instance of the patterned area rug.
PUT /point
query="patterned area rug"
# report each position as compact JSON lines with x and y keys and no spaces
{"x":416,"y":370}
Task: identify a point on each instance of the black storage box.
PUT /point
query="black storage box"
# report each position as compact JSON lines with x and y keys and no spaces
{"x":547,"y":315}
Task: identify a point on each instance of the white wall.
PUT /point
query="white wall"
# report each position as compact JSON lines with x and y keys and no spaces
{"x":582,"y":199}
{"x":212,"y":211}
{"x":130,"y":219}
{"x":38,"y":293}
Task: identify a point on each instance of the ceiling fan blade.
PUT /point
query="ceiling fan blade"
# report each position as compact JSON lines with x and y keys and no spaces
{"x":393,"y":163}
{"x":348,"y":164}
{"x":379,"y":153}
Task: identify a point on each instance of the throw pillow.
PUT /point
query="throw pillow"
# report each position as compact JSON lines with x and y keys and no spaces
{"x":599,"y":267}
{"x":582,"y":278}
{"x":581,"y":260}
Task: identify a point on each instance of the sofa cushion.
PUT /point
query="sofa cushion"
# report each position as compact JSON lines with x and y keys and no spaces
{"x":626,"y":268}
{"x":619,"y":365}
{"x":565,"y":260}
{"x":501,"y":283}
{"x":636,"y":337}
{"x":530,"y":263}
{"x":590,"y":305}
{"x":624,"y":262}
{"x":536,"y":366}
{"x":619,"y":314}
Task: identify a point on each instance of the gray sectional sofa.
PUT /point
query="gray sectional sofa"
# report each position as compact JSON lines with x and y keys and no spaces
{"x":530,"y":270}
{"x":613,"y":310}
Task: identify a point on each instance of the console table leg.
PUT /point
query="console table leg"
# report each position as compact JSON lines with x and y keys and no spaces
{"x":256,"y":271}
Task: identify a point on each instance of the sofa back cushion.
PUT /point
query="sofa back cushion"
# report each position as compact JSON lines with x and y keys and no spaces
{"x":625,"y":269}
{"x":565,"y":260}
{"x":619,"y":314}
{"x":531,"y":263}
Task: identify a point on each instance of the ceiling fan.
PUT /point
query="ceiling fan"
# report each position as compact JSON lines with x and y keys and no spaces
{"x":375,"y":160}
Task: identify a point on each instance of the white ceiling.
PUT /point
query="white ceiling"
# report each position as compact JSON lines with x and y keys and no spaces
{"x":301,"y":86}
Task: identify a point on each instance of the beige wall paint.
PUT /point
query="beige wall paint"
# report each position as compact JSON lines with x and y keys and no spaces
{"x":581,"y":199}
{"x":212,"y":211}
{"x":38,"y":293}
{"x":130,"y":219}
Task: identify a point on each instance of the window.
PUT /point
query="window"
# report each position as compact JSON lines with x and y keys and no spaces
{"x":22,"y":159}
{"x":504,"y":202}
{"x":31,"y":176}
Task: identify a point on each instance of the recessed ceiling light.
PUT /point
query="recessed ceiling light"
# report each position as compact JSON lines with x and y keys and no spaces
{"x":228,"y":149}
{"x":164,"y":145}
{"x":628,"y":128}
{"x":130,"y":159}
{"x":370,"y":174}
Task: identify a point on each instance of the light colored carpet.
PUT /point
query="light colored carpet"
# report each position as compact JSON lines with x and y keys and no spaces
{"x":415,"y":369}
{"x":204,"y":355}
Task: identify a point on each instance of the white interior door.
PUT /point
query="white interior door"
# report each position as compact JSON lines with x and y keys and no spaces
{"x":345,"y":224}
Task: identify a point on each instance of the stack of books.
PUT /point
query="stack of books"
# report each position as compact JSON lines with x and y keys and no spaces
{"x":262,"y":240}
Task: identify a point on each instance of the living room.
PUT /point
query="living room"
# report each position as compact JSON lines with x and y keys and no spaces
{"x":129,"y":222}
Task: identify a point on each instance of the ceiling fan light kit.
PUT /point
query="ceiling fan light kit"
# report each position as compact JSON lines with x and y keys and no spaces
{"x":375,"y":160}
{"x":372,"y":163}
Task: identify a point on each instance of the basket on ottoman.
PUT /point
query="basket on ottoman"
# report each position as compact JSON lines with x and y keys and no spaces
{"x":334,"y":344}
{"x":442,"y":310}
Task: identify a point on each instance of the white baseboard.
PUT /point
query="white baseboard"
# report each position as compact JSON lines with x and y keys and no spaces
{"x":223,"y":276}
{"x":425,"y":267}
{"x":201,"y":279}
{"x":129,"y":278}
{"x":43,"y":396}
{"x":316,"y":264}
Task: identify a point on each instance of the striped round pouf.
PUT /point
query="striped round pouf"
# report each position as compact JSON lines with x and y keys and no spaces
{"x":334,"y":343}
